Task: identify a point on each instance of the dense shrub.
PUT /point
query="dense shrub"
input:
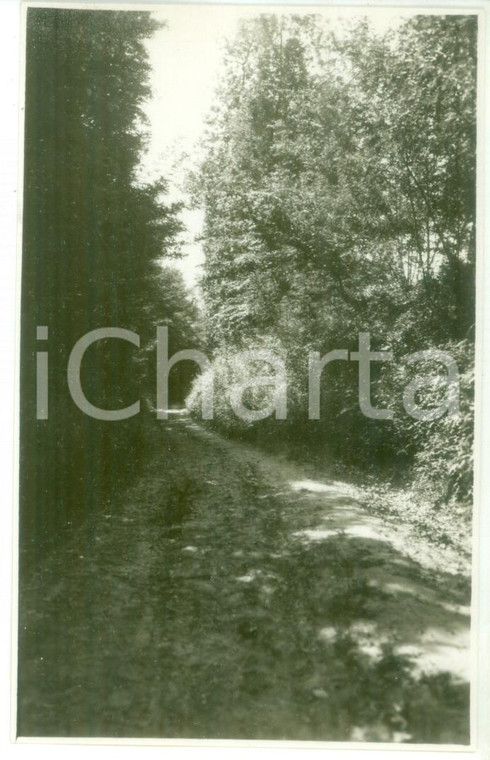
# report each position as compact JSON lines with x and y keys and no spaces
{"x":443,"y":466}
{"x":435,"y":457}
{"x":439,"y":452}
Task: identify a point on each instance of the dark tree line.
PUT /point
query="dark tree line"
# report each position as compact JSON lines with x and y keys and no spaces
{"x":92,"y":243}
{"x":339,"y":189}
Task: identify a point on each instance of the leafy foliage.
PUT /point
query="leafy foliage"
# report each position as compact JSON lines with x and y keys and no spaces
{"x":339,"y":190}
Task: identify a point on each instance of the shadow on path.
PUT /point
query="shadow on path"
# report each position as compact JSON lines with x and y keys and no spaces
{"x":231,"y":594}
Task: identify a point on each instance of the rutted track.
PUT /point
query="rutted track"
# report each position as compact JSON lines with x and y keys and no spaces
{"x":232,"y":594}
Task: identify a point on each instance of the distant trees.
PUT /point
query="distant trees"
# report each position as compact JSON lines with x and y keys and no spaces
{"x":93,"y":240}
{"x":339,"y":189}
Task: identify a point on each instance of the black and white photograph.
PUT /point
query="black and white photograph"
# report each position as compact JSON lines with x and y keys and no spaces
{"x":250,"y":359}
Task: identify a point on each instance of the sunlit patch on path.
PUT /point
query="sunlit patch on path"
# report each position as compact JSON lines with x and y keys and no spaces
{"x":180,"y":412}
{"x":441,"y":650}
{"x":335,"y":488}
{"x":359,"y":531}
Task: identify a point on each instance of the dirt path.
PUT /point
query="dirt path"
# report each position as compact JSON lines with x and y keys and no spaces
{"x":231,"y":594}
{"x":328,"y":507}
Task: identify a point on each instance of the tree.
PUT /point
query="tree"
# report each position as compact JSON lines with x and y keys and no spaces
{"x":339,"y":196}
{"x":92,"y":238}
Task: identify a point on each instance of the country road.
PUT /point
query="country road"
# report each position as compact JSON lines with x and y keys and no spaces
{"x":230,"y":593}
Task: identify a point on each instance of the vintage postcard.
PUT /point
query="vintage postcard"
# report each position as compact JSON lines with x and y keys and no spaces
{"x":250,"y":358}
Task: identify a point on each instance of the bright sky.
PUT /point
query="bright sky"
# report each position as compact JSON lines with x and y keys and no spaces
{"x":185,"y":59}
